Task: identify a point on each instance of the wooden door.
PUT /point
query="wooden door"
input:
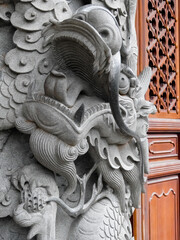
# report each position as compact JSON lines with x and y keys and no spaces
{"x":158,"y":36}
{"x":162,"y":208}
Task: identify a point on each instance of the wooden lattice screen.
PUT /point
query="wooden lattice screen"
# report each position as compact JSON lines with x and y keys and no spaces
{"x":161,"y":44}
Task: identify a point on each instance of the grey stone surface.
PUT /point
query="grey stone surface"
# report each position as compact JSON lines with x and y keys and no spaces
{"x":73,"y":120}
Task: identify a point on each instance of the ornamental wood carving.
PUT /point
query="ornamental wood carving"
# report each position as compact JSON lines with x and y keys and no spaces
{"x":162,"y":194}
{"x":163,"y":146}
{"x":162,"y":50}
{"x":158,"y":34}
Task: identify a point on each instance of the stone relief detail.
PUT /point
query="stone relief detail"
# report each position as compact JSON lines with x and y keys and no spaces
{"x":36,"y":184}
{"x":73,"y":118}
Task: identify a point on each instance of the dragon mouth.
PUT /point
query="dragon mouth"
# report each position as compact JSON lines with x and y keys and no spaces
{"x":71,"y":125}
{"x":83,"y":109}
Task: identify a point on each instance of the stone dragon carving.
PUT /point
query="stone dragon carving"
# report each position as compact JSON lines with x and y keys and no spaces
{"x":68,"y":80}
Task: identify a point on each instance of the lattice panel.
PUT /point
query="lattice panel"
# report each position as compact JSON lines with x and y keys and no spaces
{"x":162,"y":55}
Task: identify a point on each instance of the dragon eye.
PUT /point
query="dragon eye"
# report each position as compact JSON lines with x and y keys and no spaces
{"x":104,"y":33}
{"x":80,"y":17}
{"x":8,"y":14}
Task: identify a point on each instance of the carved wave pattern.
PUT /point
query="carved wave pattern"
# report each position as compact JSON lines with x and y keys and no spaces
{"x":162,"y":194}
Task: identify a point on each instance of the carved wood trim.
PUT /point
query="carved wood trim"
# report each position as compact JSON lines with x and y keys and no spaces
{"x":162,"y":179}
{"x":159,"y":188}
{"x":163,"y":146}
{"x":164,"y":168}
{"x":139,"y":220}
{"x":162,"y":194}
{"x":161,"y":151}
{"x":164,"y":125}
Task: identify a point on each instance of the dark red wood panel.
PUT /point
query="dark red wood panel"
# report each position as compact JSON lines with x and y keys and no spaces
{"x":162,"y":208}
{"x":158,"y":32}
{"x":162,"y":146}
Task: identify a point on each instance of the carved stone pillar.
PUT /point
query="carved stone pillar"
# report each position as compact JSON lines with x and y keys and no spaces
{"x":73,"y":120}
